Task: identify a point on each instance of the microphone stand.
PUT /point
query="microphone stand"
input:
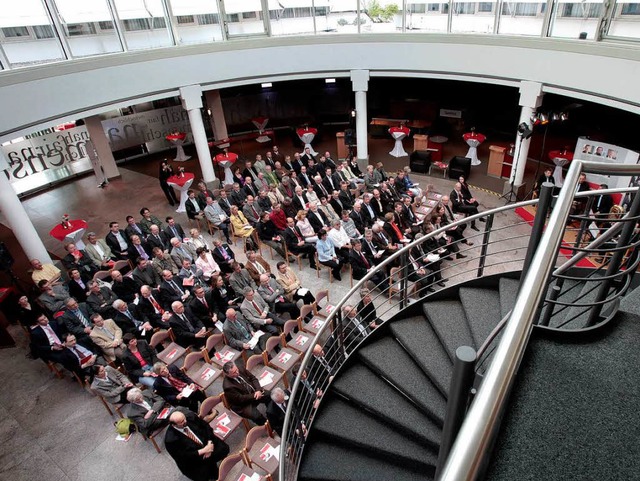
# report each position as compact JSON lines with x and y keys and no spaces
{"x":511,"y":196}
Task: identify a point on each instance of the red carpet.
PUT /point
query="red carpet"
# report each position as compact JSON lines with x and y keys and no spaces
{"x":528,"y":216}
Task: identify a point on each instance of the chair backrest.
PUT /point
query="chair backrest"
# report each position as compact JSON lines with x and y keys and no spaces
{"x":289,"y":326}
{"x":101,"y":275}
{"x":321,"y":295}
{"x":253,"y":435}
{"x":305,"y":310}
{"x":190,"y":359}
{"x":254,"y":361}
{"x":159,"y":337}
{"x":271,"y":343}
{"x":228,"y":464}
{"x":208,"y":404}
{"x":213,"y":340}
{"x":120,"y":265}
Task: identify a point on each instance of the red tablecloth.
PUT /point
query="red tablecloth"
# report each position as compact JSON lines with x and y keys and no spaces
{"x":58,"y":232}
{"x":230,"y":157}
{"x":307,"y":130}
{"x":561,"y":154}
{"x":174,"y":137}
{"x":475,"y":136}
{"x":174,"y":179}
{"x":403,"y":129}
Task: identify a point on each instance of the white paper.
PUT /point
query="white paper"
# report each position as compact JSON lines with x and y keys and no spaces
{"x":186,"y":392}
{"x":254,"y":340}
{"x":266,"y":379}
{"x":219,"y":325}
{"x":303,"y":291}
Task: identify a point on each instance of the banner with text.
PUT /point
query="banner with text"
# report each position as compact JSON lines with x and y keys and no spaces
{"x":602,"y":152}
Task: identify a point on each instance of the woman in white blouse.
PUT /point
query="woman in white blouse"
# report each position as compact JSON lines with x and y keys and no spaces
{"x":206,"y":263}
{"x":305,"y":227}
{"x":197,"y":239}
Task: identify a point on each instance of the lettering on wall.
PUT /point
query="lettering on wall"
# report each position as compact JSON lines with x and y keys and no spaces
{"x":48,"y":152}
{"x":149,"y":128}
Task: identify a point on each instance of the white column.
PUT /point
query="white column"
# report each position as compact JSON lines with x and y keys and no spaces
{"x":18,"y":220}
{"x":191,"y":97}
{"x":105,"y":160}
{"x":530,"y":99}
{"x":218,"y":123}
{"x":360,"y":82}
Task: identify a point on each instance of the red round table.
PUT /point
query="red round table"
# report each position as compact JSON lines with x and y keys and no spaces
{"x":307,"y":134}
{"x":473,"y":140}
{"x":226,"y":161}
{"x":399,"y":133}
{"x":261,"y":124}
{"x":182,"y":184}
{"x":71,"y":235}
{"x":177,"y":140}
{"x":560,"y":158}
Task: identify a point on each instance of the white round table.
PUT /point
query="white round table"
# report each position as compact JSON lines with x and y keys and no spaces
{"x":182,"y":184}
{"x":398,"y":133}
{"x":473,"y":140}
{"x":261,"y":124}
{"x":307,"y":135}
{"x":560,"y":159}
{"x":226,"y":161}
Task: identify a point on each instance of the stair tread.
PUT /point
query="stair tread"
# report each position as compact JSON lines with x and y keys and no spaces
{"x":360,"y":467}
{"x":508,"y":289}
{"x":414,"y":333}
{"x":482,"y":308}
{"x":450,"y":323}
{"x":341,"y":422}
{"x":363,"y":387}
{"x":589,"y":290}
{"x":387,"y":357}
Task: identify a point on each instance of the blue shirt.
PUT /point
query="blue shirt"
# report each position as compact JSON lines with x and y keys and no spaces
{"x":326,"y":251}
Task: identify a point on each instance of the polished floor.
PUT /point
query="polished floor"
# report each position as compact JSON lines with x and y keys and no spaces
{"x":52,"y":427}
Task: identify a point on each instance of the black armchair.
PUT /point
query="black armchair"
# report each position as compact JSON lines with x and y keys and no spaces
{"x":459,"y":166}
{"x":419,"y":161}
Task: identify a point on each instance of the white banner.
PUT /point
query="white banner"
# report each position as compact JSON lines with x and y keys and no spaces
{"x":148,"y":128}
{"x":602,"y":152}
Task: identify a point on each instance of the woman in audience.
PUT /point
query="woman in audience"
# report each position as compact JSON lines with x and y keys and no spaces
{"x":237,"y":177}
{"x":206,"y":264}
{"x":78,"y":259}
{"x":176,"y":387}
{"x":222,"y":295}
{"x":242,"y":228}
{"x":138,"y":360}
{"x":305,"y":227}
{"x":289,"y":281}
{"x":197,"y":239}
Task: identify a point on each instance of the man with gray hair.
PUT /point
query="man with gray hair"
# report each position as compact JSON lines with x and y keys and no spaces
{"x":256,"y":311}
{"x":273,"y":294}
{"x":239,"y":332}
{"x":355,"y":329}
{"x":277,"y":408}
{"x":144,"y":408}
{"x":129,"y":319}
{"x":187,"y":328}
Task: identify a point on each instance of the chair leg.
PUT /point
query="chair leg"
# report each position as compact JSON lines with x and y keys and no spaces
{"x":106,"y":406}
{"x":155,"y":445}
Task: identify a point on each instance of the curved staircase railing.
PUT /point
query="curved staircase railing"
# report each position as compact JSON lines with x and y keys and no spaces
{"x":501,"y":249}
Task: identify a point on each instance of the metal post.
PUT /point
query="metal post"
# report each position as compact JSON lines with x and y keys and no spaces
{"x":555,"y":293}
{"x":459,"y":390}
{"x":404,"y":274}
{"x":544,"y":203}
{"x":485,"y":244}
{"x":616,"y":260}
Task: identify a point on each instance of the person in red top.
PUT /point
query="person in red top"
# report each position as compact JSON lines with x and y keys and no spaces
{"x":278,"y":217}
{"x":138,"y":360}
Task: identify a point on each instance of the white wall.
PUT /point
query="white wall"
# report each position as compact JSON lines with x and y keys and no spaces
{"x":41,"y":95}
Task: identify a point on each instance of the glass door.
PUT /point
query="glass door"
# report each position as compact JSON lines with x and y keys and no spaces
{"x":244,"y":18}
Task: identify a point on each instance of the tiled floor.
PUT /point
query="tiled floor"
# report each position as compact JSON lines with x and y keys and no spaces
{"x":51,"y":427}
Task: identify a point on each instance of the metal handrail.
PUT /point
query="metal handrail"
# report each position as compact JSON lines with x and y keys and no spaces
{"x":470,"y":452}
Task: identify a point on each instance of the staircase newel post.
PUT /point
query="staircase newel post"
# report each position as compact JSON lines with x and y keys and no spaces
{"x":544,"y":204}
{"x":616,"y":259}
{"x":404,"y":284}
{"x":459,"y":391}
{"x":485,"y":245}
{"x":553,"y":296}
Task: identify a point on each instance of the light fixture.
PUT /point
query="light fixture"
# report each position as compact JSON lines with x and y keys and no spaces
{"x":353,"y":113}
{"x":267,"y":85}
{"x":555,"y":117}
{"x":329,"y":80}
{"x":564,"y":117}
{"x":544,"y":119}
{"x":525,"y":130}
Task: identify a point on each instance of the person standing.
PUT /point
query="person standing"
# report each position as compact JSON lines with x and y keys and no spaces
{"x":166,"y":171}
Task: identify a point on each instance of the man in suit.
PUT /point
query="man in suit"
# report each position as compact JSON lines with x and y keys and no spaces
{"x":249,"y":170}
{"x":249,"y":188}
{"x":240,"y":278}
{"x":158,"y":239}
{"x":193,"y":446}
{"x":306,"y":156}
{"x":117,"y":241}
{"x":243,"y":392}
{"x":252,"y":211}
{"x":181,"y":251}
{"x":316,"y":217}
{"x":225,"y":202}
{"x":170,"y":384}
{"x":108,"y":337}
{"x":172,"y":290}
{"x":579,"y":205}
{"x":193,"y":206}
{"x":77,"y":285}
{"x":48,"y":345}
{"x":77,"y":320}
{"x":174,"y":229}
{"x":111,"y":384}
{"x":462,"y":205}
{"x":100,"y":299}
{"x":201,"y":306}
{"x":304,"y":179}
{"x":145,"y":274}
{"x":238,"y":332}
{"x":143,"y":409}
{"x":277,"y":408}
{"x":354,"y":328}
{"x":273,"y":294}
{"x":137,"y":248}
{"x":98,"y":251}
{"x":223,"y":255}
{"x":237,"y":196}
{"x":320,"y":188}
{"x":368,"y":212}
{"x":361,"y":265}
{"x":256,"y":266}
{"x":603,"y":203}
{"x":357,"y":217}
{"x":123,"y":286}
{"x":345,"y":196}
{"x":296,"y":243}
{"x":336,"y":203}
{"x":547,"y":176}
{"x":188,"y":329}
{"x":256,"y":311}
{"x":299,"y":199}
{"x":150,"y":308}
{"x":133,"y":228}
{"x":216,"y":215}
{"x":379,"y":205}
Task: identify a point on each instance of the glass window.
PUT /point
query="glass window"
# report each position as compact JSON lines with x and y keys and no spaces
{"x":466,"y":18}
{"x":185,"y":19}
{"x":339,"y":16}
{"x":426,"y":17}
{"x":144,"y":23}
{"x":576,"y":20}
{"x":208,"y":19}
{"x":79,"y":20}
{"x":244,"y":17}
{"x":295,"y":17}
{"x":624,"y":22}
{"x":196,"y":21}
{"x":381,"y":16}
{"x":106,"y":25}
{"x":485,"y":7}
{"x":522,"y":18}
{"x":23,"y":44}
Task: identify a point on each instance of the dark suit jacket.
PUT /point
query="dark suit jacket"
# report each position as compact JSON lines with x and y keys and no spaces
{"x":238,"y":395}
{"x":327,"y":184}
{"x":168,"y":294}
{"x":148,"y":276}
{"x":358,"y":220}
{"x":357,"y":264}
{"x":316,"y":223}
{"x":237,"y":198}
{"x":70,"y":323}
{"x":185,"y":452}
{"x":184,"y":336}
{"x":134,"y":254}
{"x":125,"y":290}
{"x":131,"y":363}
{"x":320,"y":193}
{"x":379,"y":207}
{"x":295,"y":201}
{"x":169,"y":233}
{"x":76,"y":291}
{"x":106,"y":297}
{"x":200,"y":311}
{"x":276,"y":415}
{"x":291,"y":239}
{"x":251,"y":190}
{"x":129,"y":231}
{"x":160,"y":241}
{"x":137,"y":413}
{"x":114,"y":245}
{"x":220,"y":260}
{"x":338,"y":206}
{"x":606,"y":203}
{"x":127,"y":324}
{"x":40,"y":346}
{"x":346,"y":198}
{"x":165,"y":390}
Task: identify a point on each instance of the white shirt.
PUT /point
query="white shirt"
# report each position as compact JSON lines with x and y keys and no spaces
{"x":339,"y":237}
{"x":99,"y":249}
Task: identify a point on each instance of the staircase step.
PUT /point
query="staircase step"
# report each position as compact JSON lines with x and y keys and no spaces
{"x":388,"y":359}
{"x":450,"y":323}
{"x":482,"y":308}
{"x":419,"y":339}
{"x":508,"y":289}
{"x":363,"y":387}
{"x":323,"y":461}
{"x":577,"y":317}
{"x":341,"y":423}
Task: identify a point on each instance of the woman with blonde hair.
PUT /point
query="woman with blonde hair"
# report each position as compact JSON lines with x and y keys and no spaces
{"x":305,"y":227}
{"x":242,"y":228}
